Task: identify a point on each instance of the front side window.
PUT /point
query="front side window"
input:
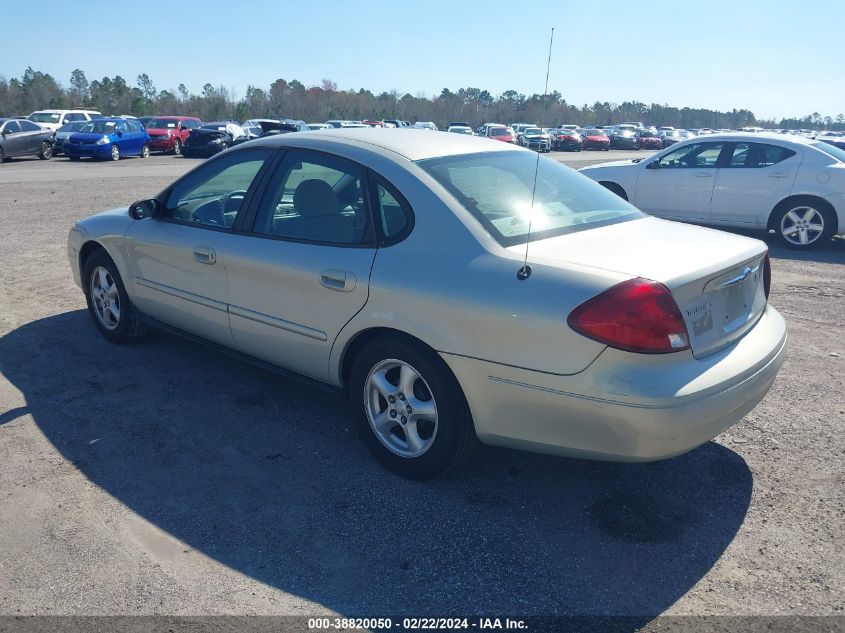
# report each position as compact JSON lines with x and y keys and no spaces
{"x":212,"y":196}
{"x":695,"y":155}
{"x":497,"y":189}
{"x":316,"y":198}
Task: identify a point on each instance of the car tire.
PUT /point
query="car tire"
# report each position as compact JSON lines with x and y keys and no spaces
{"x":2,"y":156}
{"x":615,"y":188}
{"x":794,"y":218}
{"x":444,"y":436}
{"x":145,"y":151}
{"x":115,"y":153}
{"x":224,"y":146}
{"x":177,"y":147}
{"x":46,"y":152}
{"x":103,"y":287}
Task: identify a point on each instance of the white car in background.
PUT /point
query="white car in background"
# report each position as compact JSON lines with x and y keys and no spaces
{"x":54,"y":119}
{"x":788,"y":184}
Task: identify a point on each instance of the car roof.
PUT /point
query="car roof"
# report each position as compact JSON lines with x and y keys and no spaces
{"x":411,"y":144}
{"x":762,"y":136}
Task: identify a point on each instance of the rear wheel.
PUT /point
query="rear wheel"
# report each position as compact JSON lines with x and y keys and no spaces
{"x":2,"y":156}
{"x":177,"y":147}
{"x":115,"y":152}
{"x":46,"y":152}
{"x":804,"y":222}
{"x":108,"y":304}
{"x":145,"y":151}
{"x":409,"y":408}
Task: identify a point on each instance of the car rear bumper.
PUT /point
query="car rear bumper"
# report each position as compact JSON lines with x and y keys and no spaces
{"x":624,"y":407}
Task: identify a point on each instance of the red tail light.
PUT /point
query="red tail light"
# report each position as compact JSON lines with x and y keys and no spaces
{"x":637,"y":315}
{"x":767,"y":275}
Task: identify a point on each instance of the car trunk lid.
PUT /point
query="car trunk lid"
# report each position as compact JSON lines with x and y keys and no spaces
{"x":716,"y":278}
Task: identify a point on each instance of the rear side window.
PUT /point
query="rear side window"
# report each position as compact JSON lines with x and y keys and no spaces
{"x":316,"y":198}
{"x":756,"y":155}
{"x":393,"y":213}
{"x":12,"y":127}
{"x":29,"y":126}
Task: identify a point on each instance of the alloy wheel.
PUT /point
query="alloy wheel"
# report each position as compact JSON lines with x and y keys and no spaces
{"x":802,"y":225}
{"x":105,"y":298}
{"x":400,"y":408}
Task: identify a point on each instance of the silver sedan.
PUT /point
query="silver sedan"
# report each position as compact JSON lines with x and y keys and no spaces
{"x":450,"y":292}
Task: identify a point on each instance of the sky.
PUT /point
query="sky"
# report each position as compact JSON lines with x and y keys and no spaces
{"x":777,"y":58}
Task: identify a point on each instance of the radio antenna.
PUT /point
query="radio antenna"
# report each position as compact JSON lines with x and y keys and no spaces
{"x":525,"y":272}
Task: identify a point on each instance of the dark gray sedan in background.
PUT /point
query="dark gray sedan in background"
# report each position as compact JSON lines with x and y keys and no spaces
{"x":24,"y":138}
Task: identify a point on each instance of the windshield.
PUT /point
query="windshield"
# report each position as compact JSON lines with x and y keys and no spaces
{"x":461,"y":130}
{"x":533,"y":130}
{"x":593,"y":133}
{"x":496,"y":188}
{"x":75,"y":126}
{"x":499,"y":131}
{"x":160,"y":124}
{"x":44,"y":117}
{"x":837,"y":152}
{"x":98,"y":127}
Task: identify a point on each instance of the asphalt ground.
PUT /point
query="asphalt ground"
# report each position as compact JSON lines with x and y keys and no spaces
{"x":163,"y":478}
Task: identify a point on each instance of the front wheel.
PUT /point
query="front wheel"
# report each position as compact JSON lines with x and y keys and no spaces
{"x":108,"y":304}
{"x":145,"y":151}
{"x":409,"y":408}
{"x":46,"y":152}
{"x":804,"y":223}
{"x":177,"y":147}
{"x":115,"y":152}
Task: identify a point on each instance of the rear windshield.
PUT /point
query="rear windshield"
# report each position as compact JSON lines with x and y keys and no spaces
{"x":496,"y":188}
{"x":837,"y":152}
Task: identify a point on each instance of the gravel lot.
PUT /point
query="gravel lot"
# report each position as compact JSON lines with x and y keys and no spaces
{"x":165,"y":478}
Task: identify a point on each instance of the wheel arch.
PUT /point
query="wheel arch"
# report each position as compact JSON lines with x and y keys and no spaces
{"x":615,"y":187}
{"x":794,"y":198}
{"x":359,"y":341}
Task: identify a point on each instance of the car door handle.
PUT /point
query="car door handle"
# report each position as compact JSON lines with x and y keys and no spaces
{"x":703,"y":174}
{"x":340,"y":280}
{"x":779,"y":174}
{"x":205,"y":255}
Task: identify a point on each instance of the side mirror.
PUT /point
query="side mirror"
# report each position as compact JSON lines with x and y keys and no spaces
{"x":652,"y":165}
{"x":118,"y":132}
{"x":143,"y":209}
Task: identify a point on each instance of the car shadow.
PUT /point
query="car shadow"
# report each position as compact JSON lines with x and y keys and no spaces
{"x":267,"y":476}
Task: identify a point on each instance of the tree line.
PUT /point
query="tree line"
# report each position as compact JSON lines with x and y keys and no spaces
{"x":36,"y":90}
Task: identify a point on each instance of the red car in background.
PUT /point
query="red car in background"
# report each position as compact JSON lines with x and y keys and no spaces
{"x":650,"y":140}
{"x":168,"y":133}
{"x":595,"y":139}
{"x":501,"y":133}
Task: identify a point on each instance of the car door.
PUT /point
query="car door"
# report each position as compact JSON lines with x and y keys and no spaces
{"x":13,"y":138}
{"x":753,"y":180}
{"x":303,"y":272}
{"x":176,"y":260}
{"x":31,"y":136}
{"x":679,"y":185}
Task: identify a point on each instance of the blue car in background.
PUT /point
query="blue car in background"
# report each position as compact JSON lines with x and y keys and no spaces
{"x":64,"y":133}
{"x":111,"y":138}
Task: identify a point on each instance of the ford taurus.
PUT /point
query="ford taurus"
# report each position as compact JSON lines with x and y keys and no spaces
{"x":390,"y":266}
